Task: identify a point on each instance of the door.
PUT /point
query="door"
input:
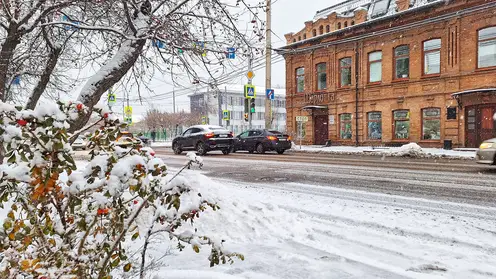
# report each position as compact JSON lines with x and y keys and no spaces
{"x":487,"y":127}
{"x":241,"y":141}
{"x":480,"y":124}
{"x":321,"y":129}
{"x":254,"y":137}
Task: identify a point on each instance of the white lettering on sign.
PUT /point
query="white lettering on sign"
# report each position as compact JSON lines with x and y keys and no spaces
{"x":301,"y":118}
{"x":319,"y":98}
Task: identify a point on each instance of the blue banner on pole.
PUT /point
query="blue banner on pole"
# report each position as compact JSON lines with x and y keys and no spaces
{"x":231,"y":53}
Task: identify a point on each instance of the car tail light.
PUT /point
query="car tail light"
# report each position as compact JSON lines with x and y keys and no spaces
{"x":289,"y":138}
{"x":209,"y":135}
{"x":231,"y":134}
{"x":272,"y":137}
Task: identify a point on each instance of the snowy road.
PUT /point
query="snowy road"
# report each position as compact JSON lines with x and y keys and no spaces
{"x":457,"y":181}
{"x":303,"y":220}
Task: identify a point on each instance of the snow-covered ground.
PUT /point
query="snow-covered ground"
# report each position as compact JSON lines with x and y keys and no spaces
{"x":162,"y":144}
{"x":411,"y":149}
{"x":290,"y":230}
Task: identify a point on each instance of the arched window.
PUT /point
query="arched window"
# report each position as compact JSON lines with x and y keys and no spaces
{"x":401,"y":62}
{"x":304,"y":36}
{"x":432,"y":57}
{"x":299,"y":38}
{"x":328,"y":28}
{"x":345,"y":24}
{"x":339,"y":25}
{"x":294,"y":40}
{"x":321,"y":30}
{"x":486,"y":54}
{"x":314,"y":32}
{"x":352,"y":22}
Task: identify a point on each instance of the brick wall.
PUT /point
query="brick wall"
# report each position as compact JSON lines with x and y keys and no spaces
{"x":458,"y":73}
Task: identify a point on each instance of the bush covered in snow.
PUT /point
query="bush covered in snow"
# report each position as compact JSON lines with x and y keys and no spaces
{"x":70,"y":221}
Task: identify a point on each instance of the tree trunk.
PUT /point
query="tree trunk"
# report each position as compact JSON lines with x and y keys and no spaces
{"x":6,"y":53}
{"x":113,"y":71}
{"x":45,"y":78}
{"x":108,"y":75}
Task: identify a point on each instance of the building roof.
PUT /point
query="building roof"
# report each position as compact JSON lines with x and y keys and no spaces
{"x":377,"y":10}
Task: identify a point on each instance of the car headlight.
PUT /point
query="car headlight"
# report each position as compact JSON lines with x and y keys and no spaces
{"x":486,"y":145}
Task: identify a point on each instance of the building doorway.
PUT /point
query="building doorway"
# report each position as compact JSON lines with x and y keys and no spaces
{"x":321,"y":129}
{"x":480,"y":124}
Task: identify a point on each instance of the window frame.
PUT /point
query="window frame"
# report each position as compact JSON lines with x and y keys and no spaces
{"x":296,"y":79}
{"x":314,"y":32}
{"x":317,"y":73}
{"x":377,"y":121}
{"x":339,"y":25}
{"x":402,"y":119}
{"x":429,"y":51}
{"x":321,"y":30}
{"x":350,"y":121}
{"x":328,"y":28}
{"x":477,"y":52}
{"x":369,"y":63}
{"x":422,"y":118}
{"x":340,"y":72}
{"x":395,"y":58}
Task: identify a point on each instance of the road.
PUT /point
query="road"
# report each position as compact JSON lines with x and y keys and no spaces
{"x":450,"y":180}
{"x":330,"y":216}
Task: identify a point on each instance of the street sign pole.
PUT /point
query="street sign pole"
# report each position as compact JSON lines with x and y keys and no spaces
{"x":250,"y":77}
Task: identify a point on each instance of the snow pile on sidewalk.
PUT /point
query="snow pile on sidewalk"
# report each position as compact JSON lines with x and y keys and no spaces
{"x":239,"y":223}
{"x":409,"y":150}
{"x":412,"y":150}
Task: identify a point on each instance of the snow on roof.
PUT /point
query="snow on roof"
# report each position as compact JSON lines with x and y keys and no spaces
{"x":375,"y":8}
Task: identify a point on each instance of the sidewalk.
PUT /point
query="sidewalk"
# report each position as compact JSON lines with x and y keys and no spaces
{"x":412,"y":150}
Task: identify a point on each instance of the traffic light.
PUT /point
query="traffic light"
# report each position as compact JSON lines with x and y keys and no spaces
{"x":252,"y":105}
{"x":247,"y":105}
{"x":246,"y":117}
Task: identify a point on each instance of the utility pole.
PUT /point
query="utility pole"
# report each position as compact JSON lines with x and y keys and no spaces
{"x":173,"y":101}
{"x":268,"y":69}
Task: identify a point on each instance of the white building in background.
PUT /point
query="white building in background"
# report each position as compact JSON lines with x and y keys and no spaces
{"x":231,"y":98}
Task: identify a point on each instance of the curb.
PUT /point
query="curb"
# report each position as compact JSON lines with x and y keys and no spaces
{"x":384,"y":154}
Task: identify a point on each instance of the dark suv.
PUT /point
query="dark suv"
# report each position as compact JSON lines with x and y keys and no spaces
{"x":262,"y":140}
{"x":204,"y":138}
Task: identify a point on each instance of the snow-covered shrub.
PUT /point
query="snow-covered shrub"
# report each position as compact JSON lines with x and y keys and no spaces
{"x":69,"y":220}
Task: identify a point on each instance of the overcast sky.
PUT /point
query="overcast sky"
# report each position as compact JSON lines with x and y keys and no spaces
{"x":287,"y":16}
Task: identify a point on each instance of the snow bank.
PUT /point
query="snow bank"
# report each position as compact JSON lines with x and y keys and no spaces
{"x":412,"y":150}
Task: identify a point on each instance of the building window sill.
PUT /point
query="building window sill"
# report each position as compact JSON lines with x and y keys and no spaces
{"x":431,"y":76}
{"x":399,"y":80}
{"x":492,"y":68}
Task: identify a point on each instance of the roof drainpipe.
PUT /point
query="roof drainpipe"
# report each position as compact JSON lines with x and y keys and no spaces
{"x":357,"y":57}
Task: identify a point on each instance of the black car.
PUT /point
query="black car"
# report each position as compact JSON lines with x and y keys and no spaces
{"x":204,"y":138}
{"x":262,"y":140}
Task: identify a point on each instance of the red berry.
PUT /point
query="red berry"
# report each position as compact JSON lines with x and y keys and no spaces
{"x":135,"y":202}
{"x":79,"y":106}
{"x":105,"y":115}
{"x":22,"y":122}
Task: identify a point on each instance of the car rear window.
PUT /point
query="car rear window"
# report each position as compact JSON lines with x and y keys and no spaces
{"x":275,"y":132}
{"x":216,"y":128}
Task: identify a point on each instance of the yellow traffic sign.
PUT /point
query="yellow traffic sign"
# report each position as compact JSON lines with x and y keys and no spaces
{"x":128,"y":111}
{"x":250,"y":75}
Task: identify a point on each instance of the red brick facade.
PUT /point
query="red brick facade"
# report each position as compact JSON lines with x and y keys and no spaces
{"x":456,"y":23}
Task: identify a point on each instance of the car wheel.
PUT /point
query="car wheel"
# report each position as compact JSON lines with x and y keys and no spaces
{"x":260,"y":148}
{"x":177,"y":150}
{"x":201,"y":149}
{"x":232,"y":150}
{"x":226,"y":151}
{"x":281,"y":151}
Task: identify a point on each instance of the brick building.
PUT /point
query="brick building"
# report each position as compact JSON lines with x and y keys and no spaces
{"x":387,"y":72}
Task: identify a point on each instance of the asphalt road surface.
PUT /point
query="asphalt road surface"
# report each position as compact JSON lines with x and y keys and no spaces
{"x":449,"y":180}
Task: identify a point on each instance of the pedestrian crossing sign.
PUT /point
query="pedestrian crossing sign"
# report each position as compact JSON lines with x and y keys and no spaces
{"x":226,"y":115}
{"x":250,"y":91}
{"x":128,"y":111}
{"x":111,"y":99}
